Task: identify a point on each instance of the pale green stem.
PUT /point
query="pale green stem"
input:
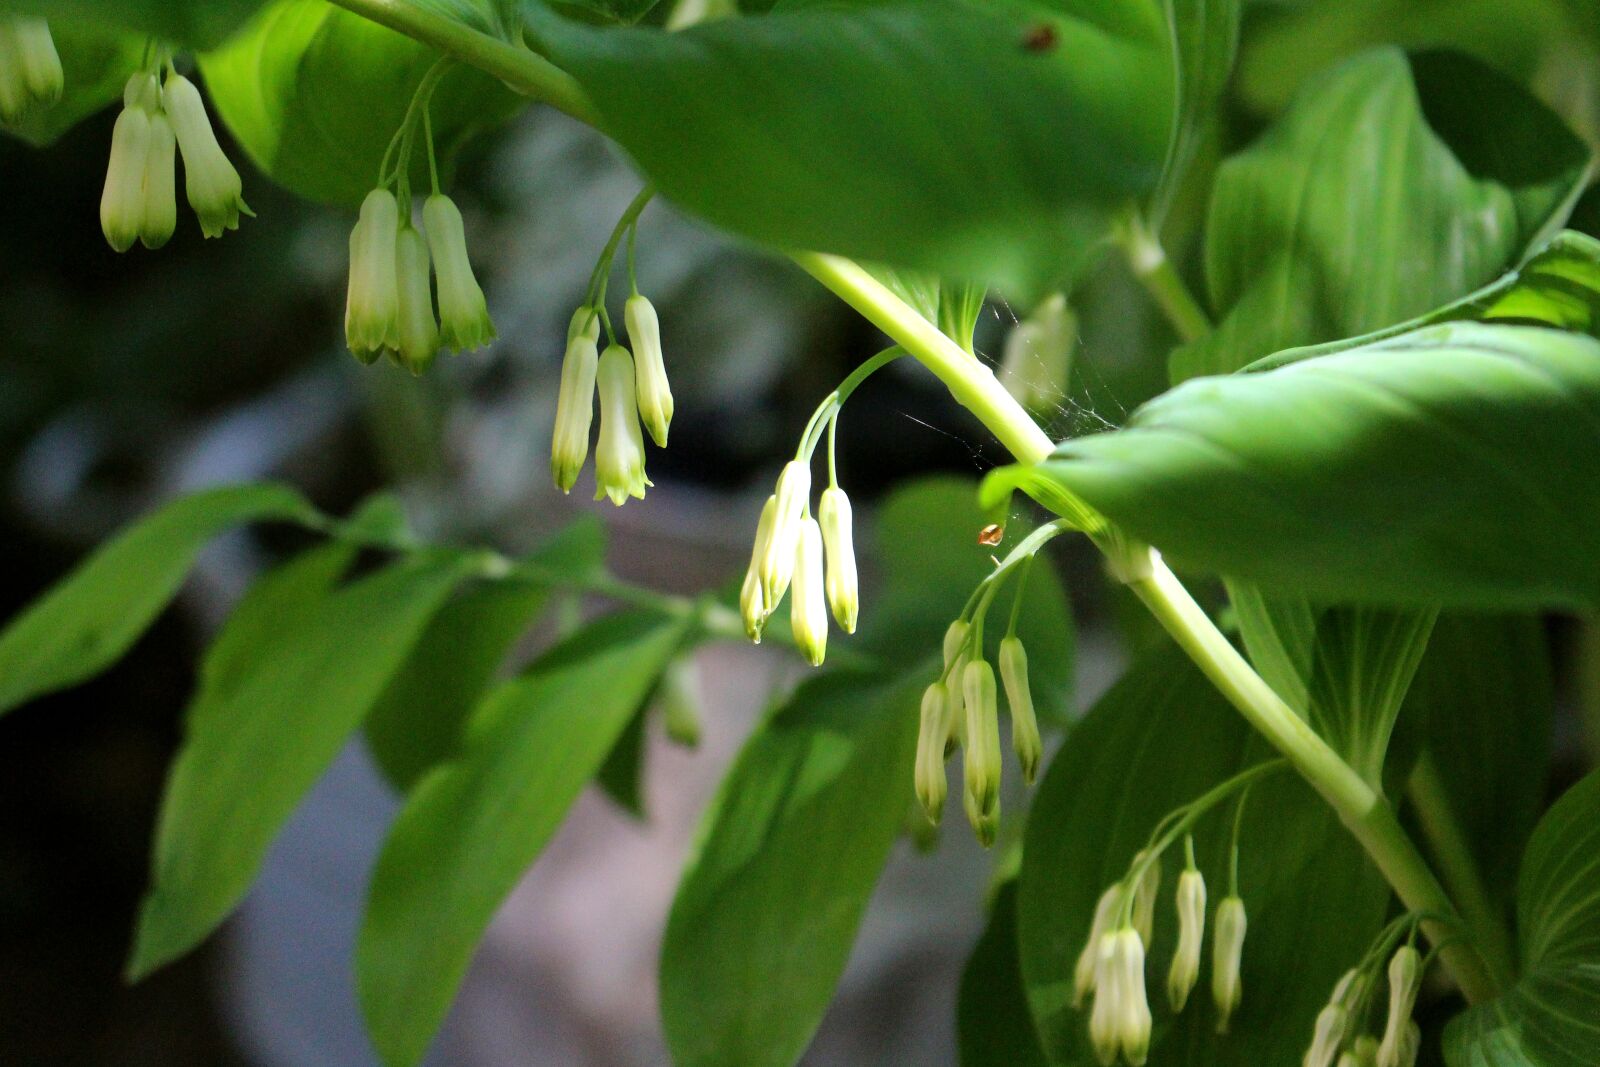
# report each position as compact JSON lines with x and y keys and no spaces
{"x":1153,"y":270}
{"x":975,"y":387}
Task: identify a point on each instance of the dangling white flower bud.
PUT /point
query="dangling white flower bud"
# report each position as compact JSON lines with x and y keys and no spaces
{"x":464,"y":323}
{"x":981,"y":760}
{"x":955,"y":663}
{"x":1037,"y":361}
{"x":1410,"y":1045}
{"x":30,"y":68}
{"x":122,"y":202}
{"x":1144,"y":896}
{"x":1365,"y":1052}
{"x":794,"y":494}
{"x":1227,"y":951}
{"x":655,"y":396}
{"x":1185,"y":970}
{"x":753,"y":606}
{"x":619,"y":456}
{"x":680,"y":702}
{"x":838,"y":540}
{"x":1405,"y":978}
{"x":931,"y":784}
{"x":213,"y":185}
{"x":372,"y":303}
{"x":160,"y":199}
{"x":1120,"y":1021}
{"x":1327,"y":1035}
{"x":1024,"y":723}
{"x":569,"y":444}
{"x":808,"y":605}
{"x":1084,"y":974}
{"x":416,"y":330}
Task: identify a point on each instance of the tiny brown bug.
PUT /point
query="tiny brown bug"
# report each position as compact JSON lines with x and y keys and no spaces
{"x":1039,"y":38}
{"x":991,"y":535}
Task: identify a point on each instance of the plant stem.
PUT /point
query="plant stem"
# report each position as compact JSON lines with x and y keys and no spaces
{"x":1452,"y":855}
{"x":1150,"y":265}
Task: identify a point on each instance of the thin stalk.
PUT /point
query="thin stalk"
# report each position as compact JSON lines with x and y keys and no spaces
{"x":1155,"y":272}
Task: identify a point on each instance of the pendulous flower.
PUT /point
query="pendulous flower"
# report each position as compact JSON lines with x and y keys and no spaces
{"x":1185,"y":971}
{"x":30,"y":67}
{"x":838,"y":542}
{"x":464,"y":323}
{"x":1024,"y":723}
{"x":981,"y":760}
{"x":372,"y":302}
{"x":655,"y":396}
{"x":416,"y":330}
{"x":213,"y":185}
{"x":1227,"y":950}
{"x":777,"y":563}
{"x":808,"y":606}
{"x":569,"y":444}
{"x":619,"y":455}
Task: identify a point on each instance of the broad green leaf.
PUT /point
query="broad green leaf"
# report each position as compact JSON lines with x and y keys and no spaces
{"x":925,"y":589}
{"x":314,"y":94}
{"x":1456,"y":464}
{"x":96,"y":62}
{"x":420,"y":719}
{"x":192,"y":23}
{"x":1205,"y":36}
{"x":1159,"y":738}
{"x":621,"y":776}
{"x":1347,"y":669}
{"x":474,"y":824}
{"x":993,"y":1027}
{"x":615,"y":10}
{"x":261,"y":732}
{"x":1551,"y":1017}
{"x":986,"y":141}
{"x":785,"y":863}
{"x":90,"y":618}
{"x":1393,"y":185}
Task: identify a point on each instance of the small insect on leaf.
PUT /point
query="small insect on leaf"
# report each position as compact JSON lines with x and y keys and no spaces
{"x":1040,"y":37}
{"x":991,"y":535}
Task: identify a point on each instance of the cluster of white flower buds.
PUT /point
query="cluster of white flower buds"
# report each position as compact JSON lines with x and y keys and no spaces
{"x":632,"y":387}
{"x":160,"y":118}
{"x":1036,"y":364}
{"x":1334,"y":1040}
{"x":813,"y":560}
{"x":389,"y":306}
{"x":30,"y":70}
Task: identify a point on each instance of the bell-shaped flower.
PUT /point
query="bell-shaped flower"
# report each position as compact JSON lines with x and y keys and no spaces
{"x":569,"y":444}
{"x":931,"y":785}
{"x":1019,"y":695}
{"x":1364,"y":1051}
{"x":655,"y":396}
{"x":160,"y":197}
{"x":619,"y":455}
{"x":1227,"y":952}
{"x":464,"y":323}
{"x":838,"y":541}
{"x":956,"y":655}
{"x":981,"y":759}
{"x":1145,"y":895}
{"x":1120,"y":1020}
{"x":213,"y":185}
{"x":808,"y":604}
{"x":122,"y":201}
{"x":1185,"y":971}
{"x":1405,"y":978}
{"x":1327,"y":1035}
{"x":372,"y":303}
{"x":30,"y":68}
{"x":753,"y":606}
{"x":777,"y":564}
{"x":1085,"y":972}
{"x":416,"y":330}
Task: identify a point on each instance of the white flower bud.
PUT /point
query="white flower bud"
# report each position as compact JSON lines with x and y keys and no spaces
{"x":1405,"y":978}
{"x":655,"y":397}
{"x":1410,"y":1045}
{"x":955,"y":662}
{"x":372,"y":303}
{"x":211,"y":181}
{"x":1024,"y":723}
{"x":122,"y":202}
{"x":1227,"y":951}
{"x":160,"y":199}
{"x":808,"y":604}
{"x":838,"y":541}
{"x":1120,"y":1021}
{"x":753,"y":605}
{"x":416,"y":330}
{"x":1037,"y":361}
{"x":569,"y":444}
{"x":1084,"y":974}
{"x":1144,"y":896}
{"x":619,"y":455}
{"x":30,"y":68}
{"x":777,"y":564}
{"x":931,"y":784}
{"x":464,"y":323}
{"x":1185,"y":970}
{"x":981,"y":761}
{"x":1365,"y":1051}
{"x":1328,"y":1034}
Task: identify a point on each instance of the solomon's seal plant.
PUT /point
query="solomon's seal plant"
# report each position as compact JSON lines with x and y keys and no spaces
{"x":1367,"y":337}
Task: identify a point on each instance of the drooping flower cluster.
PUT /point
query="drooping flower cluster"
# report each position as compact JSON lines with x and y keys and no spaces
{"x":139,"y":202}
{"x":389,"y":305}
{"x":30,"y":69}
{"x":1336,"y":1040}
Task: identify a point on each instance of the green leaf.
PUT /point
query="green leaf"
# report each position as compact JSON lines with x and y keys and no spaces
{"x":993,"y":1027}
{"x":615,"y":10}
{"x":785,"y":863}
{"x":1159,"y":738}
{"x":1551,"y":1017}
{"x":96,"y":62}
{"x":1393,"y":185}
{"x":262,"y":730}
{"x":314,"y":94}
{"x":91,"y":617}
{"x":193,"y":23}
{"x":473,"y":825}
{"x":420,"y":719}
{"x":1466,"y":451}
{"x":1205,"y":35}
{"x":985,"y":141}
